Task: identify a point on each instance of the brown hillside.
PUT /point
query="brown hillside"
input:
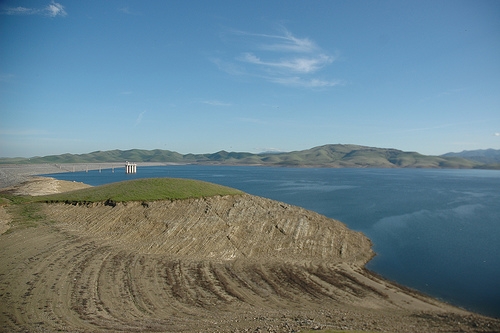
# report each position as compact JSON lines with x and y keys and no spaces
{"x":221,"y":264}
{"x":219,"y":228}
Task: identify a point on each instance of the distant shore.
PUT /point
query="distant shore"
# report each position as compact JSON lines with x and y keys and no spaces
{"x":15,"y":174}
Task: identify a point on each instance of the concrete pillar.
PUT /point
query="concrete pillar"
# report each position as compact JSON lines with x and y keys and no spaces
{"x":130,"y":167}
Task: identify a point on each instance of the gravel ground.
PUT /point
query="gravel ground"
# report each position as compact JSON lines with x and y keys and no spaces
{"x":220,"y":264}
{"x":15,"y":174}
{"x":98,"y":268}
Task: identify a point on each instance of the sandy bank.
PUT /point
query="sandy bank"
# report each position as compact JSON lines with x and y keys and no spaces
{"x":14,"y":174}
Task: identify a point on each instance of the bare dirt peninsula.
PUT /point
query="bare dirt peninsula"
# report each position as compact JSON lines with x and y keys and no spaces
{"x":44,"y":185}
{"x":15,"y":174}
{"x":235,"y":263}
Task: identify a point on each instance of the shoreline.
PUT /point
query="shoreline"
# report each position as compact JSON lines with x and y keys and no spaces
{"x":15,"y":174}
{"x":388,"y":304}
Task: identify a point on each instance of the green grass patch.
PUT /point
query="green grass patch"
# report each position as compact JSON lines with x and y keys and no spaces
{"x":4,"y":201}
{"x":7,"y":198}
{"x":25,"y":215}
{"x":148,"y":189}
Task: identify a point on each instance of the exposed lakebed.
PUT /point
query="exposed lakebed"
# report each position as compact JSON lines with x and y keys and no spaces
{"x":433,"y":230}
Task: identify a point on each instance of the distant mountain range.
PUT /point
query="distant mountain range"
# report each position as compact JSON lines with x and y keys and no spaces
{"x":333,"y":155}
{"x":486,"y":156}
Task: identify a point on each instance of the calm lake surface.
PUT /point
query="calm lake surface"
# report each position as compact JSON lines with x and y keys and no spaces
{"x":437,"y":231}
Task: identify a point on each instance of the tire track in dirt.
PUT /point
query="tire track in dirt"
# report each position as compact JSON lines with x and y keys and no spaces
{"x":218,"y":264}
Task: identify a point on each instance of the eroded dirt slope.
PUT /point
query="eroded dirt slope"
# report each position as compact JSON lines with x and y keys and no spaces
{"x":228,"y":264}
{"x":218,"y":228}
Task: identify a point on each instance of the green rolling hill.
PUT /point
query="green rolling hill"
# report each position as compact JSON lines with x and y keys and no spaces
{"x":148,"y":189}
{"x":332,"y":155}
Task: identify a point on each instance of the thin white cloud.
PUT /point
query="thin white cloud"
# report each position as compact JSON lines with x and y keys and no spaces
{"x":251,"y":120}
{"x":497,"y":134}
{"x":51,"y":10}
{"x":125,"y":10}
{"x":308,"y":83}
{"x":55,"y":9}
{"x":229,"y":67}
{"x":216,"y":103}
{"x":295,"y":64}
{"x":128,"y":11}
{"x":19,"y":11}
{"x":23,"y":132}
{"x":139,"y":118}
{"x":282,"y":43}
{"x":279,"y":58}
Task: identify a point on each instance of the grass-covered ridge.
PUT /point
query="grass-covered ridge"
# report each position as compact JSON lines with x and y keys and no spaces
{"x":334,"y":156}
{"x":147,"y":189}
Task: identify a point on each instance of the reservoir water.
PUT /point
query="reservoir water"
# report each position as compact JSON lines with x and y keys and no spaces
{"x":437,"y":231}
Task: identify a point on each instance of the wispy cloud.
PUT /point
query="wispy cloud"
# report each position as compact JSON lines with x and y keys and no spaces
{"x":55,"y":9}
{"x":284,"y":42}
{"x":51,"y":10}
{"x":497,"y":134}
{"x":128,"y":11}
{"x":19,"y":11}
{"x":216,"y":103}
{"x":279,"y":58}
{"x":23,"y":132}
{"x":251,"y":120}
{"x":296,"y":64}
{"x":296,"y":81}
{"x":139,"y":118}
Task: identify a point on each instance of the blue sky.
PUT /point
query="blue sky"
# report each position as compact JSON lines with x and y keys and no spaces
{"x":204,"y":76}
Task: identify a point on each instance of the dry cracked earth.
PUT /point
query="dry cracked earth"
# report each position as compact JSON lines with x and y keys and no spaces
{"x":221,"y":264}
